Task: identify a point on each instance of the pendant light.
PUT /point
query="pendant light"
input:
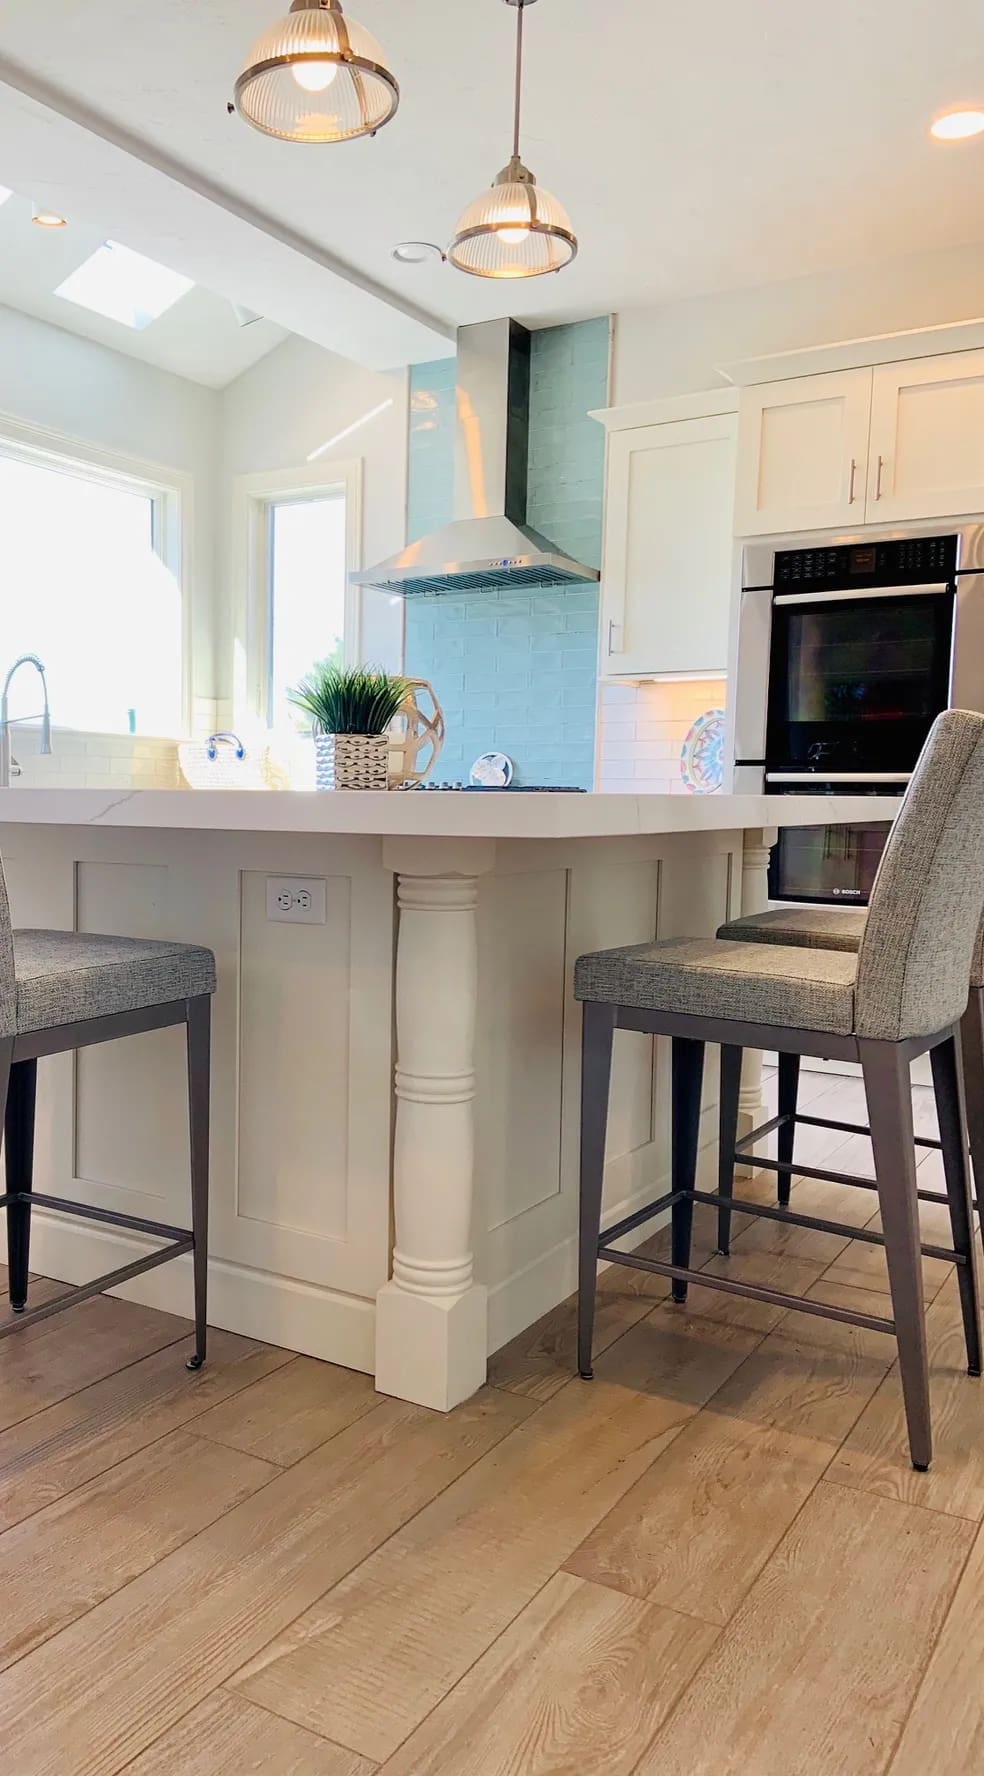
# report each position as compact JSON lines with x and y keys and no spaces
{"x":316,"y":76}
{"x":515,"y":229}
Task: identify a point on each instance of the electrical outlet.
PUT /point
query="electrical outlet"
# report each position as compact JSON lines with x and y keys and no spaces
{"x":296,"y":900}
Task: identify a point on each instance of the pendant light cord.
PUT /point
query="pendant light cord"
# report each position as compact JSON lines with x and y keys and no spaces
{"x":520,"y":9}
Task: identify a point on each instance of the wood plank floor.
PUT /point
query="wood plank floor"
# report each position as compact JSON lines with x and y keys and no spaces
{"x":715,"y":1558}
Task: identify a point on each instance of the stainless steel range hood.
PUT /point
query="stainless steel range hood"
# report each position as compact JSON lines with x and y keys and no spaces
{"x":489,"y":543}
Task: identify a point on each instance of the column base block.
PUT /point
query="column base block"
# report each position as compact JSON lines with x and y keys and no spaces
{"x":429,"y":1349}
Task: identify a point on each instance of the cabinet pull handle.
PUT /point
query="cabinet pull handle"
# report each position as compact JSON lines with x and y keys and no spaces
{"x":612,"y":626}
{"x":878,"y":478}
{"x":854,"y":473}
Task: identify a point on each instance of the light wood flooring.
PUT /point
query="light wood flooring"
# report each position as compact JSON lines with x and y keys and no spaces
{"x":715,"y":1558}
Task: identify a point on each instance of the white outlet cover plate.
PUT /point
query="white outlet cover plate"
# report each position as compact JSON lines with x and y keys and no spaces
{"x":297,"y":900}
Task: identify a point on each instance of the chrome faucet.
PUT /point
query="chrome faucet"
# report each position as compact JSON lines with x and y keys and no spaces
{"x":8,"y":764}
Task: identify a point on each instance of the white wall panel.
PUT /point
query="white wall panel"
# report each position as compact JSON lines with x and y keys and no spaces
{"x":522,"y":994}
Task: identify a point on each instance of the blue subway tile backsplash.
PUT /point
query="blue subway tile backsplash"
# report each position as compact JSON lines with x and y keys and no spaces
{"x":516,"y":670}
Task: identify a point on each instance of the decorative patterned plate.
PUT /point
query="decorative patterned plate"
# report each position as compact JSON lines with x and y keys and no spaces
{"x":491,"y":770}
{"x":702,"y":758}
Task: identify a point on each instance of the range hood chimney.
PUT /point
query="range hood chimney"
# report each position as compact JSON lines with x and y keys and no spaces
{"x":489,"y":543}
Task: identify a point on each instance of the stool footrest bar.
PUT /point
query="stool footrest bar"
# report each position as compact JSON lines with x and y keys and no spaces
{"x":816,"y":1222}
{"x":110,"y":1217}
{"x":849,"y":1179}
{"x":858,"y":1128}
{"x":759,"y":1134}
{"x":639,"y":1216}
{"x":729,"y":1286}
{"x":98,"y":1285}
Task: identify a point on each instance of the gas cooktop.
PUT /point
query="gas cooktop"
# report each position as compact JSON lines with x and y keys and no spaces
{"x":500,"y":788}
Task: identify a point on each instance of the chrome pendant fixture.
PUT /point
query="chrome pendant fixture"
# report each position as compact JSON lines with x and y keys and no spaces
{"x":316,"y":76}
{"x":515,"y":229}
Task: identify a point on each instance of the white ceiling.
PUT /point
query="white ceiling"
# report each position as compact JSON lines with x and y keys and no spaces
{"x":698,"y":147}
{"x":198,"y":338}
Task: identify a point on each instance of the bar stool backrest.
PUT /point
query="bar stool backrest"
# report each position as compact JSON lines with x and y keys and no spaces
{"x":922,"y":932}
{"x":8,"y":989}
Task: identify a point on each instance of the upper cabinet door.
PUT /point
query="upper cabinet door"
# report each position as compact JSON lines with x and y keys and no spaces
{"x":802,"y":453}
{"x":927,"y":439}
{"x":666,"y":584}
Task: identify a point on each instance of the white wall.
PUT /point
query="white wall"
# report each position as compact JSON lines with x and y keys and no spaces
{"x":71,"y":385}
{"x":674,"y":348}
{"x":289,"y":404}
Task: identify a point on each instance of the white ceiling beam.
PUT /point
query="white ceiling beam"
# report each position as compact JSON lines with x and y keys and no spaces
{"x":54,"y":150}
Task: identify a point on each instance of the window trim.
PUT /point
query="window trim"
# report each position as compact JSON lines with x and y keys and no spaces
{"x":253,"y":496}
{"x":171,"y":493}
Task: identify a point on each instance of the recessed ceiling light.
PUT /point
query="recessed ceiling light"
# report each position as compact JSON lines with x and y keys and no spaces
{"x":956,"y":126}
{"x":124,"y":286}
{"x":43,"y":218}
{"x":416,"y":252}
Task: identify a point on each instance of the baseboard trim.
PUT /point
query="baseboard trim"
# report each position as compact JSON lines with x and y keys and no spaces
{"x":279,"y":1310}
{"x":523,"y":1297}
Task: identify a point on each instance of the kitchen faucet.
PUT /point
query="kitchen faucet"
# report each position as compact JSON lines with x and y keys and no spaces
{"x":8,"y":764}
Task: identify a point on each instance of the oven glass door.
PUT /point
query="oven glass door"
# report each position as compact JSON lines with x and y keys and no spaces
{"x":855,"y":683}
{"x":830,"y":864}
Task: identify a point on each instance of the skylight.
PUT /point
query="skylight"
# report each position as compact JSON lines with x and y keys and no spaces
{"x":124,"y":286}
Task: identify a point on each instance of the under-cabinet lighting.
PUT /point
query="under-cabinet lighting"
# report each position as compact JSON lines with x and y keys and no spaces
{"x":124,"y":286}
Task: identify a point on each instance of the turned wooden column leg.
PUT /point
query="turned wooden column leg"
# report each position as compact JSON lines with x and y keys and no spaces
{"x":431,"y":1317}
{"x":758,"y":842}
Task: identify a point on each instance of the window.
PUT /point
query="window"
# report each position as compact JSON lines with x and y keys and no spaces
{"x":301,"y":531}
{"x":306,"y":592}
{"x":91,"y":574}
{"x":124,"y":286}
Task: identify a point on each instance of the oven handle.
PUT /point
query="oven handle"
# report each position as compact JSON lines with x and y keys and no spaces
{"x":810,"y":598}
{"x":837,"y":776}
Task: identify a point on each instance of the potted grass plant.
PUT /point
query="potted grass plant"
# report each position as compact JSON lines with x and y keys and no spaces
{"x":350,"y":709}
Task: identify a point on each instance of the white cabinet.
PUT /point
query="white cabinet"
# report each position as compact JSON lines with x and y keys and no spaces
{"x":666,"y":576}
{"x":902,"y":441}
{"x":803,"y":453}
{"x":927,"y":438}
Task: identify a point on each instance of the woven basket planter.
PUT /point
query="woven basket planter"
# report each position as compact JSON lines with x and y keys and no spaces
{"x":351,"y":761}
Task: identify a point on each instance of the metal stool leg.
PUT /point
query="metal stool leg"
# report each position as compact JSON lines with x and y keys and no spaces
{"x":888,"y":1091}
{"x":18,"y":1134}
{"x":948,"y":1084}
{"x":597,"y":1036}
{"x":687,"y":1076}
{"x":198,"y":1041}
{"x":727,"y":1136}
{"x":972,"y":1052}
{"x":789,"y":1069}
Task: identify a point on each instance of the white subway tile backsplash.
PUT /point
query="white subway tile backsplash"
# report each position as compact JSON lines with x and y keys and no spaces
{"x":642,"y":729}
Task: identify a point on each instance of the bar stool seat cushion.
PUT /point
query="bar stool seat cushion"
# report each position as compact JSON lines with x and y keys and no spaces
{"x":819,"y":928}
{"x":757,"y":983}
{"x":66,"y":977}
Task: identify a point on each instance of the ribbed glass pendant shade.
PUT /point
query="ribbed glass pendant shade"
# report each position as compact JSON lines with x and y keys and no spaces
{"x":514,"y":230}
{"x":316,"y":76}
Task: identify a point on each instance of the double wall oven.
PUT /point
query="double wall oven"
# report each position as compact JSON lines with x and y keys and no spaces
{"x":848,"y":648}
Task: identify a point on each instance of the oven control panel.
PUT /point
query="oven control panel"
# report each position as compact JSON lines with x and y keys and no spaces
{"x":903,"y":561}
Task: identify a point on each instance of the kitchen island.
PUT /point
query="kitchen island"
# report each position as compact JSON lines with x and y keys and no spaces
{"x":395,"y":1086}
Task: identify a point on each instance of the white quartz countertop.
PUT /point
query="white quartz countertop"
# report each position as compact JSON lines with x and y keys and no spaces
{"x":437,"y":814}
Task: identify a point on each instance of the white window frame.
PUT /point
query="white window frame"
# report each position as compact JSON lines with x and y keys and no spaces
{"x":169,"y":491}
{"x":253,"y":497}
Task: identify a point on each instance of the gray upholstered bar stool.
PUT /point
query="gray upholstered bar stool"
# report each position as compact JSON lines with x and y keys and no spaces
{"x":902,"y":994}
{"x":63,"y":990}
{"x":835,"y":928}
